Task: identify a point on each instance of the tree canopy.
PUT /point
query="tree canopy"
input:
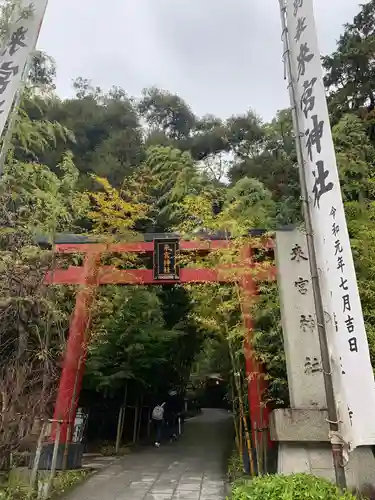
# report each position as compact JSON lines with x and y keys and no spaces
{"x":108,"y":165}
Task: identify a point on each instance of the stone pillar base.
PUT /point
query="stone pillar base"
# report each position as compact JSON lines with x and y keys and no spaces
{"x":304,"y":447}
{"x":74,"y":458}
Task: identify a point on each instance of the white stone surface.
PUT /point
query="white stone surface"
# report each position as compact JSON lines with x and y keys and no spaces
{"x":317,"y":459}
{"x":301,"y":342}
{"x":289,"y":425}
{"x":302,"y":431}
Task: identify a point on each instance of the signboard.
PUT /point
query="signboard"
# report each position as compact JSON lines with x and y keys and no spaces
{"x":165,"y":259}
{"x":352,"y":372}
{"x":24,"y":30}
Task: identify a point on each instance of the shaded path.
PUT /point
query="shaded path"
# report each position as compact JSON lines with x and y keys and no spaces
{"x":191,"y":469}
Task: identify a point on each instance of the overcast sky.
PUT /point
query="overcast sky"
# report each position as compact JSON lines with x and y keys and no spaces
{"x":221,"y":56}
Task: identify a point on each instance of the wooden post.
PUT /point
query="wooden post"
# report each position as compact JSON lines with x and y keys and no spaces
{"x":262,"y":436}
{"x":140,"y":419}
{"x":122,"y":423}
{"x":38,"y":452}
{"x":119,"y":428}
{"x":121,"y":420}
{"x":259,"y":467}
{"x":54,"y":460}
{"x":135,"y":423}
{"x":149,"y":422}
{"x":240,"y":431}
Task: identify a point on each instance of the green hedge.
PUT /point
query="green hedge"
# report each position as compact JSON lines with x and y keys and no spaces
{"x":295,"y":487}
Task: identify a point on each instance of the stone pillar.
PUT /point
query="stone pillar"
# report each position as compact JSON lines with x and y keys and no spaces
{"x":303,"y":431}
{"x":301,"y":342}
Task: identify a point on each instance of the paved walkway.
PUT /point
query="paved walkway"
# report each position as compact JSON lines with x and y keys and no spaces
{"x":191,"y":469}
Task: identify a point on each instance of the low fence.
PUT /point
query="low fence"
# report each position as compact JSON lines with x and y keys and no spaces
{"x":123,"y":426}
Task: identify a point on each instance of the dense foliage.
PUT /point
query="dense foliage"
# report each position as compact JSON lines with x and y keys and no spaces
{"x":295,"y":487}
{"x":133,"y":343}
{"x":113,"y":167}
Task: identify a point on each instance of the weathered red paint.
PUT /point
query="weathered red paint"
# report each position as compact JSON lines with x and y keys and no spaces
{"x":76,"y":350}
{"x":110,"y":275}
{"x":148,"y":247}
{"x":91,"y":274}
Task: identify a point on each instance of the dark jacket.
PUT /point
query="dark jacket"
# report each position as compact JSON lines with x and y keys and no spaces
{"x":173,"y":407}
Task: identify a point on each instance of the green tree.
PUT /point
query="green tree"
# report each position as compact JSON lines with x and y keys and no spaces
{"x":209,"y":139}
{"x":166,"y":112}
{"x":171,"y":175}
{"x":107,"y":133}
{"x":34,"y":320}
{"x":34,"y":201}
{"x":273,"y":162}
{"x":33,"y":133}
{"x":350,"y":70}
{"x":361,"y":217}
{"x":245,"y":135}
{"x":248,"y":200}
{"x":170,"y":122}
{"x":38,"y":200}
{"x":42,"y":72}
{"x":355,"y":156}
{"x":130,"y":341}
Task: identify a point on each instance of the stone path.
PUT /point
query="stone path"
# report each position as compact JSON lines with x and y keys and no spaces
{"x":191,"y":469}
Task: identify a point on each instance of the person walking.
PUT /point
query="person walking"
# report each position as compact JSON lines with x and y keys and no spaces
{"x":173,"y":411}
{"x":158,"y":421}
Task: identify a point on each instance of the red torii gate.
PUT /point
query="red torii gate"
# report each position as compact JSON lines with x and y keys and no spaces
{"x":92,"y":273}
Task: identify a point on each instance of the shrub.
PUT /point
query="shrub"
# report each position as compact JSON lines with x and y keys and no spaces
{"x":295,"y":487}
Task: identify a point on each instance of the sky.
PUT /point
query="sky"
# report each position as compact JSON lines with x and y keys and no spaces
{"x":222,"y":56}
